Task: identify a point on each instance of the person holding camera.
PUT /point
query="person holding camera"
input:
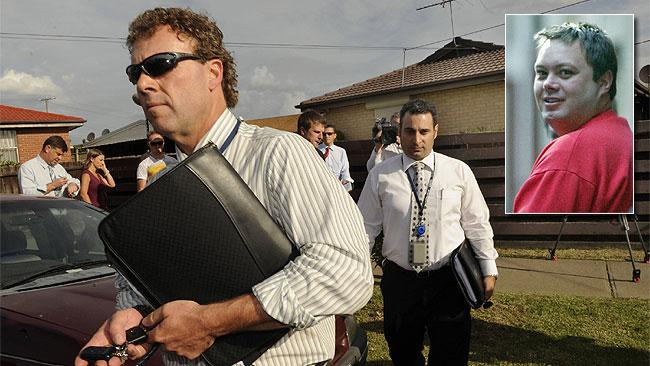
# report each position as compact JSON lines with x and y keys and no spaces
{"x":385,"y":135}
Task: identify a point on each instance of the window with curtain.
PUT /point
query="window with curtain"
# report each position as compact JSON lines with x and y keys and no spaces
{"x":8,"y":146}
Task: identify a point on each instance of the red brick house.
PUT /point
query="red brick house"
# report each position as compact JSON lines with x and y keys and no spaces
{"x":22,"y":132}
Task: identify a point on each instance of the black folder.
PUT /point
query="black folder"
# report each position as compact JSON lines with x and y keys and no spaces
{"x":468,"y":274}
{"x":199,"y":233}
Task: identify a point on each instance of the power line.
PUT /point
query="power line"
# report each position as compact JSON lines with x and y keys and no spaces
{"x":494,"y":26}
{"x":78,"y":38}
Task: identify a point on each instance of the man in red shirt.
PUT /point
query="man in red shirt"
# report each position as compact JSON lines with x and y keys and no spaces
{"x":588,"y":168}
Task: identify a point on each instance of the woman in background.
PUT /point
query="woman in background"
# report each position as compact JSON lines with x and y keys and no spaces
{"x":95,"y":174}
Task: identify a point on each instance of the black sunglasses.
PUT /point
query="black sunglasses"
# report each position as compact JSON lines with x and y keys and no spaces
{"x":158,"y":64}
{"x":329,"y":133}
{"x":156,"y":143}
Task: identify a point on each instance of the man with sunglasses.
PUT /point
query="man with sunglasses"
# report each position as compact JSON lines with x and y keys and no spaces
{"x":336,"y":158}
{"x":186,"y":82}
{"x":157,"y":157}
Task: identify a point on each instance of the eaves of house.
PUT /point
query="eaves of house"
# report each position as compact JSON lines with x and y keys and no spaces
{"x":19,"y":118}
{"x":463,"y":60}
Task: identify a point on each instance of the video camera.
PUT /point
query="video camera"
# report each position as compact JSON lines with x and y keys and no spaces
{"x":384,"y":131}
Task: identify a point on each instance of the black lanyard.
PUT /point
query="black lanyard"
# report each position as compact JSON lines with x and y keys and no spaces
{"x":230,"y":137}
{"x":421,"y":204}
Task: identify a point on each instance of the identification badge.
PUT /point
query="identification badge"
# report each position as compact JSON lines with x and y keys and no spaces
{"x":419,"y":252}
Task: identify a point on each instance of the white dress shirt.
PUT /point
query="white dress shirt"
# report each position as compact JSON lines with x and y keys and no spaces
{"x":455,"y":210}
{"x":34,"y":176}
{"x":337,"y":161}
{"x":331,"y":276}
{"x":385,"y":153}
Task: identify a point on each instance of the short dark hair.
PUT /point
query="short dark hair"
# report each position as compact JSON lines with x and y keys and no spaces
{"x":419,"y":106}
{"x":153,"y":132}
{"x":598,"y":47}
{"x":56,"y":142}
{"x":330,"y":126}
{"x":308,"y":118}
{"x":203,"y":30}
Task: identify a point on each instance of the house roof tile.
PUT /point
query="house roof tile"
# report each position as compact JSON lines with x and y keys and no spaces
{"x":481,"y":63}
{"x":15,"y":115}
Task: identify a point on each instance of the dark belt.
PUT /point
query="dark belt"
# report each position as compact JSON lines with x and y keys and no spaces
{"x":392,"y":266}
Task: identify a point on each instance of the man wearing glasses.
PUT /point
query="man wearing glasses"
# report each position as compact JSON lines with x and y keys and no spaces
{"x":155,"y":162}
{"x":336,"y":158}
{"x":186,"y":84}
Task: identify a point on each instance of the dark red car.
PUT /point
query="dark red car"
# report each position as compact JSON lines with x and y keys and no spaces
{"x":57,"y":287}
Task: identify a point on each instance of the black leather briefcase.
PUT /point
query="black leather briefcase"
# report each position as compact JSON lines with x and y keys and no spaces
{"x":199,"y":233}
{"x":467,"y":272}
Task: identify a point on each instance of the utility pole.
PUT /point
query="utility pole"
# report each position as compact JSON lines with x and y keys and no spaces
{"x":451,"y":15}
{"x":47,"y":99}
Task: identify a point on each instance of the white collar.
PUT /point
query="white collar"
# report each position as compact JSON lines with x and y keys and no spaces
{"x":217,"y":134}
{"x":428,"y":161}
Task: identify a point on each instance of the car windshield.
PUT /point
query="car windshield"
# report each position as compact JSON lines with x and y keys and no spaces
{"x":47,"y":236}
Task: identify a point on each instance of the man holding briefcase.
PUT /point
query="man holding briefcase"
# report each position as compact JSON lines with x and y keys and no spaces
{"x":186,"y":82}
{"x":427,"y":204}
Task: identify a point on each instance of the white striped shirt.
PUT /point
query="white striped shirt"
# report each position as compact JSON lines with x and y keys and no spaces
{"x":333,"y":273}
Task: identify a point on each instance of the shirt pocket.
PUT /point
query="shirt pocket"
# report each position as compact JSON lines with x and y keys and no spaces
{"x":450,"y":204}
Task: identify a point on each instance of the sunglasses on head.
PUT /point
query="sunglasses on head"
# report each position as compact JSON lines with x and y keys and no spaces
{"x":156,"y":143}
{"x":158,"y":64}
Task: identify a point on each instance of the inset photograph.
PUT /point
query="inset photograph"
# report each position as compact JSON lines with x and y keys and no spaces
{"x":569,"y":114}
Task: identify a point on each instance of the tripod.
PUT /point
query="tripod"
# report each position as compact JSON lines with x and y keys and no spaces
{"x":636,"y":273}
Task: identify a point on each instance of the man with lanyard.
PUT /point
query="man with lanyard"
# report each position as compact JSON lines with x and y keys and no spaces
{"x":43,"y":175}
{"x":427,"y":204}
{"x":336,"y":158}
{"x":186,"y":83}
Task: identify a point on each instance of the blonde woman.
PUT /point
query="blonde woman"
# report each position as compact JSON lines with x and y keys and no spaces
{"x":95,"y":174}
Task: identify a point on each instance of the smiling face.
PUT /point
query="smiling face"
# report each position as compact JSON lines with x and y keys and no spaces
{"x":418,"y":132}
{"x":184,"y":102}
{"x":565,"y":92}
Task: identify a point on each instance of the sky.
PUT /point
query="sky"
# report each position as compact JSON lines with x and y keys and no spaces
{"x":73,"y":50}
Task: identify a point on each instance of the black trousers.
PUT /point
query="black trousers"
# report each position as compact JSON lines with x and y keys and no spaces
{"x":432,"y":301}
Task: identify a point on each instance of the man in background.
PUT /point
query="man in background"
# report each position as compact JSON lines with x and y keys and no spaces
{"x":335,"y":157}
{"x":427,"y":204}
{"x":155,"y":162}
{"x":43,"y":175}
{"x":311,"y":125}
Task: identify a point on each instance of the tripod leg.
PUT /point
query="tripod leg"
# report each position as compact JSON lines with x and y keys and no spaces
{"x":646,"y":253}
{"x":551,"y":252}
{"x":636,"y":273}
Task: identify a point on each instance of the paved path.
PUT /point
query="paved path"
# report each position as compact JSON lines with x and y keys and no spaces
{"x":591,"y":278}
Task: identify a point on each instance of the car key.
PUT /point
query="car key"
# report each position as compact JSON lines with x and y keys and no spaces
{"x":136,"y":335}
{"x":94,"y":353}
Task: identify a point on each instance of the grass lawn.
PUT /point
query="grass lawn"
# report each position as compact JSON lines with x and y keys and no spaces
{"x":593,"y":253}
{"x":523,"y":329}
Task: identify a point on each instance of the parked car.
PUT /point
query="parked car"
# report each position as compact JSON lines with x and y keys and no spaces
{"x":57,"y":286}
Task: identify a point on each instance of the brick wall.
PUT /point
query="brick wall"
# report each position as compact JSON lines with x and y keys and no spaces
{"x":354,"y":121}
{"x":30,"y":141}
{"x":475,"y":108}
